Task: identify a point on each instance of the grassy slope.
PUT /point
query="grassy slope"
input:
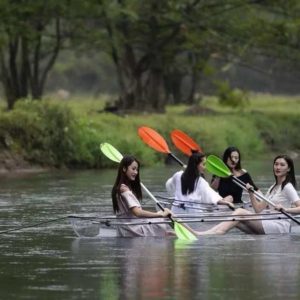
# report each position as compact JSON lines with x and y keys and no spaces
{"x":268,"y":124}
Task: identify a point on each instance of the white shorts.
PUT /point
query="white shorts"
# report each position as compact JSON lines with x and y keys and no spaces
{"x":276,"y":226}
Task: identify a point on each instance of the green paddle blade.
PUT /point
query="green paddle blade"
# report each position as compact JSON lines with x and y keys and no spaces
{"x":183,"y":233}
{"x":111,"y":152}
{"x":217,"y":167}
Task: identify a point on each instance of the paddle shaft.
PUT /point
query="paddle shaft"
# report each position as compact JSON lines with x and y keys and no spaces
{"x":33,"y":225}
{"x":176,"y":158}
{"x":241,"y":184}
{"x":181,"y":231}
{"x":154,"y":199}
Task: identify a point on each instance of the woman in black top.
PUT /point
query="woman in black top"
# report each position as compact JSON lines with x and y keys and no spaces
{"x":225,"y":186}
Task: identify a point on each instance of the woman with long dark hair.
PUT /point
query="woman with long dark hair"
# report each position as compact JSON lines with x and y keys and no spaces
{"x":282,"y":193}
{"x":126,"y":196}
{"x":190,"y":188}
{"x":225,"y":186}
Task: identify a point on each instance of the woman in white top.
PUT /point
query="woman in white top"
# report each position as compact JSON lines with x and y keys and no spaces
{"x":282,"y":193}
{"x":191,"y":190}
{"x":126,"y":194}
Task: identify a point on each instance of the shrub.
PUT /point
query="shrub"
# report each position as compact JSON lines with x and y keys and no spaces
{"x":45,"y":133}
{"x":231,"y":97}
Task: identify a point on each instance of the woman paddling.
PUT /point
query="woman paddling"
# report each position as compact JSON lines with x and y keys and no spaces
{"x":190,"y":188}
{"x":126,"y":194}
{"x":282,"y":193}
{"x":225,"y":186}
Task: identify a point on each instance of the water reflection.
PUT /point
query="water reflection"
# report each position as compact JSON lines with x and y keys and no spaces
{"x":238,"y":267}
{"x":49,"y":262}
{"x":138,"y":268}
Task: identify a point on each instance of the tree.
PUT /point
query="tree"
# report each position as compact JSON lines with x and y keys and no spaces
{"x":139,"y":34}
{"x":156,"y":44}
{"x":32,"y":34}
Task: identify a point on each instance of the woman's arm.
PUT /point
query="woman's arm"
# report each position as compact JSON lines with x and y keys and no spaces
{"x":248,"y":179}
{"x":291,"y":210}
{"x":215,"y":181}
{"x":293,"y":197}
{"x":257,"y":205}
{"x":141,"y":213}
{"x":227,"y":201}
{"x":294,"y":210}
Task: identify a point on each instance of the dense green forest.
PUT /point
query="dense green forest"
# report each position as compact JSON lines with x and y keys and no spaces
{"x":146,"y":57}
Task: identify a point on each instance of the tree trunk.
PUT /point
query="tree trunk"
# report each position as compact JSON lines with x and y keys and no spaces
{"x":173,"y":82}
{"x":191,"y":96}
{"x":14,"y":78}
{"x":24,"y":69}
{"x":156,"y":90}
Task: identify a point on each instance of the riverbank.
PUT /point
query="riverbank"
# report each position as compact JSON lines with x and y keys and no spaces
{"x":39,"y":135}
{"x":14,"y":164}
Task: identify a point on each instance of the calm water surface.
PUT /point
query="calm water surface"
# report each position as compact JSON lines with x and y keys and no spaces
{"x":47,"y":261}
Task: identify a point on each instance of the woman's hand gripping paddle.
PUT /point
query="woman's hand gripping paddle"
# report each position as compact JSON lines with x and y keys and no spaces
{"x":217,"y":167}
{"x":180,"y":230}
{"x":154,"y":140}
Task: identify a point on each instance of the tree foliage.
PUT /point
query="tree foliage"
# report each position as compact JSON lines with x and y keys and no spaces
{"x":157,"y":45}
{"x":31,"y":37}
{"x":160,"y":49}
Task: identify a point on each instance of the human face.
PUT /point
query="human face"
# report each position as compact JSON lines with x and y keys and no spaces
{"x":281,"y":167}
{"x":233,"y":160}
{"x":132,"y":171}
{"x":201,"y":165}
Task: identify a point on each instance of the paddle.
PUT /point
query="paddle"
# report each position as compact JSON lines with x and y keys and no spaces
{"x":181,"y":231}
{"x":217,"y":167}
{"x":156,"y":141}
{"x":33,"y":225}
{"x":184,"y":143}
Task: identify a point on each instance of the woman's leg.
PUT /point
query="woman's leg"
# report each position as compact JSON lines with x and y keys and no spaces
{"x":228,"y":198}
{"x":247,"y":226}
{"x":252,"y":227}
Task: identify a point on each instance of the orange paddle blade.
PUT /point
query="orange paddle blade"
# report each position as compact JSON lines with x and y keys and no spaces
{"x":184,"y":143}
{"x":153,"y":139}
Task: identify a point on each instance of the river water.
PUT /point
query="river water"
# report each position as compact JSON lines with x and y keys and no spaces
{"x":48,"y":261}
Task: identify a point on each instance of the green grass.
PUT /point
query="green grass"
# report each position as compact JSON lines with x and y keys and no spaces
{"x":266,"y":125}
{"x":254,"y":128}
{"x":264,"y":103}
{"x":250,"y":128}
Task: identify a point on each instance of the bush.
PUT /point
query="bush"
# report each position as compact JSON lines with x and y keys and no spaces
{"x":231,"y":97}
{"x":47,"y":134}
{"x":280,"y":132}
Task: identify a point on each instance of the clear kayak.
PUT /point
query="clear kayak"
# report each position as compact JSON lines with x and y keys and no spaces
{"x":97,"y":226}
